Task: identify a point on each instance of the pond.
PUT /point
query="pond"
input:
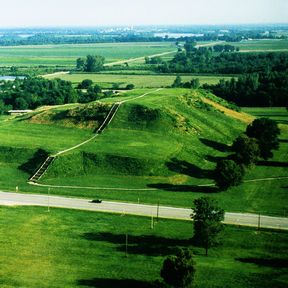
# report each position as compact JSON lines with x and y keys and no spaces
{"x":10,"y":78}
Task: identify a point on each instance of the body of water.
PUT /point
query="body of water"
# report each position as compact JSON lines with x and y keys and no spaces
{"x":11,"y":78}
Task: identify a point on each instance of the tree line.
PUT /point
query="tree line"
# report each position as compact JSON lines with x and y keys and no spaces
{"x":205,"y":60}
{"x":30,"y":93}
{"x":258,"y":89}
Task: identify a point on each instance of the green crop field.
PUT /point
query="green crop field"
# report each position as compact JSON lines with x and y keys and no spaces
{"x":167,"y":141}
{"x":140,"y":81}
{"x":263,"y":45}
{"x":66,"y":55}
{"x":66,"y":248}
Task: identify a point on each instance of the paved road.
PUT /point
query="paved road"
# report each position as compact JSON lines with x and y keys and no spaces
{"x":9,"y":198}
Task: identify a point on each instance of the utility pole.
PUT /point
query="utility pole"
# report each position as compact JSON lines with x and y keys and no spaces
{"x":158,"y":211}
{"x":258,"y":221}
{"x":48,"y":199}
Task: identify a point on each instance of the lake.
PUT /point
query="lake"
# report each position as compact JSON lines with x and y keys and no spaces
{"x":10,"y":78}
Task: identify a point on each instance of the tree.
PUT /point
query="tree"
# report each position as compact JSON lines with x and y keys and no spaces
{"x":130,"y":86}
{"x":189,"y":46}
{"x":246,"y":149}
{"x":228,"y":173}
{"x":94,"y":63}
{"x":266,"y":132}
{"x":85,"y":84}
{"x":178,"y":271}
{"x":80,"y":64}
{"x":195,"y":83}
{"x":177,"y":82}
{"x":207,"y":217}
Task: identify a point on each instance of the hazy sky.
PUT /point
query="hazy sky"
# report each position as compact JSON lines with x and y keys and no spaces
{"x":132,"y":12}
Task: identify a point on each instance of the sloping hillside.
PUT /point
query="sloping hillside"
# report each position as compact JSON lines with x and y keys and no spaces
{"x":159,"y":136}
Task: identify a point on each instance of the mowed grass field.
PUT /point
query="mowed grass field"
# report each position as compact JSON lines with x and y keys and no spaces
{"x":263,"y":45}
{"x":66,"y":55}
{"x":66,"y":248}
{"x":140,"y":81}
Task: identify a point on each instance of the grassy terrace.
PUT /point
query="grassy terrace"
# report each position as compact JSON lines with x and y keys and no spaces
{"x":83,"y":249}
{"x":66,"y":55}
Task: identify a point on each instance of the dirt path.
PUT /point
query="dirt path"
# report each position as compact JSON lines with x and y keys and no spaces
{"x":132,"y":59}
{"x":144,"y":189}
{"x":244,"y":117}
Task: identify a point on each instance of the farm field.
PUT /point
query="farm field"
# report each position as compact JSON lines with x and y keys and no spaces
{"x":83,"y":249}
{"x":279,"y":114}
{"x":66,"y":55}
{"x":263,"y":45}
{"x":168,"y":154}
{"x":140,"y":81}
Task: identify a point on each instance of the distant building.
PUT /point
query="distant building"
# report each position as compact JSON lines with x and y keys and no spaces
{"x":19,"y":112}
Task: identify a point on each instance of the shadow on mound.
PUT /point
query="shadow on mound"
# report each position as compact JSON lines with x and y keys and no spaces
{"x":184,"y":188}
{"x":275,"y":262}
{"x":215,"y":159}
{"x":150,"y":245}
{"x":112,"y":283}
{"x":216,"y":145}
{"x":184,"y":167}
{"x":34,"y":163}
{"x":272,"y":163}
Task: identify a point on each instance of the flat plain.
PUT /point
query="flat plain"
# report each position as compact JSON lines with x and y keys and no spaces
{"x":66,"y":248}
{"x":66,"y":55}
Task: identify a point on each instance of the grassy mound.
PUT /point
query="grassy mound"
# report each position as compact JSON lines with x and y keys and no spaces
{"x":87,"y":163}
{"x":81,"y":116}
{"x":150,"y":133}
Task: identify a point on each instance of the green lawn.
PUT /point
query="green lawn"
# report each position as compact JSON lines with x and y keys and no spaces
{"x":140,"y":81}
{"x":66,"y":248}
{"x":66,"y":55}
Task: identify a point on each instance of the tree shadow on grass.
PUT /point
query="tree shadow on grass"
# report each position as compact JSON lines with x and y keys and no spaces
{"x":150,"y":245}
{"x":274,"y":263}
{"x":184,"y":188}
{"x":184,"y":167}
{"x":216,"y":145}
{"x":283,"y":140}
{"x":112,"y":283}
{"x":272,"y":163}
{"x":214,"y":159}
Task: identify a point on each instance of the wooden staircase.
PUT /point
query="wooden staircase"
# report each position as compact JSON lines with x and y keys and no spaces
{"x":43,"y":168}
{"x":109,"y":118}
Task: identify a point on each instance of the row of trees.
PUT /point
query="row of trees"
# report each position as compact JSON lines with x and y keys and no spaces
{"x":260,"y":138}
{"x":192,"y":84}
{"x":31,"y":93}
{"x":205,"y":60}
{"x":257,"y":89}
